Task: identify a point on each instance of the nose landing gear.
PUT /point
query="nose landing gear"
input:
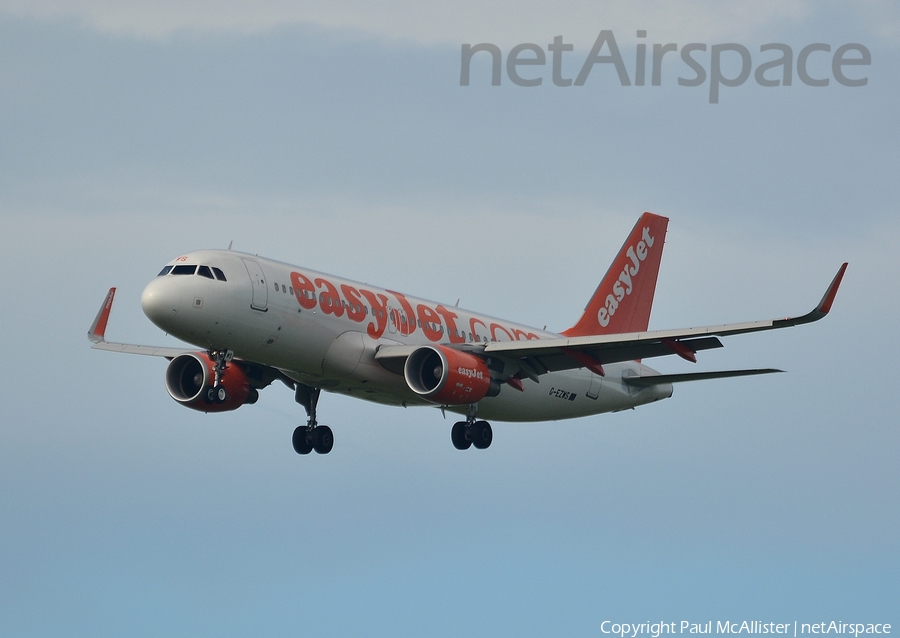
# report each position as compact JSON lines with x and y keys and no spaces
{"x":311,"y":436}
{"x":216,"y":393}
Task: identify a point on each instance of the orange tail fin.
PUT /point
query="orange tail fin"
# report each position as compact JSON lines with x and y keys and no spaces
{"x":623,"y":299}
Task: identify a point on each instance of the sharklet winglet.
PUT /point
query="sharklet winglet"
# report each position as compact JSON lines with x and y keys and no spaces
{"x":97,"y":331}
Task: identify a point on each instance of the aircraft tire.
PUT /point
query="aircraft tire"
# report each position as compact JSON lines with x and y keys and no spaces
{"x":482,"y":435}
{"x":323,"y":439}
{"x":458,"y":436}
{"x":301,"y":440}
{"x":220,"y":394}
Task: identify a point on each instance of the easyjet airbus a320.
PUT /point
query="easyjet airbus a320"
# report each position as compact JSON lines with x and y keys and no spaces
{"x":253,"y":321}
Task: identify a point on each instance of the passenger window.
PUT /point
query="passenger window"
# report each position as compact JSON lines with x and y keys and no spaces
{"x":276,"y":287}
{"x":164,"y":271}
{"x":219,"y":274}
{"x":290,"y":290}
{"x":184,"y":270}
{"x":283,"y":288}
{"x":204,"y":271}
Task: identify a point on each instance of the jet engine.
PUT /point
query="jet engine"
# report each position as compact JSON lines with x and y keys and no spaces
{"x":190,"y":376}
{"x":448,"y":377}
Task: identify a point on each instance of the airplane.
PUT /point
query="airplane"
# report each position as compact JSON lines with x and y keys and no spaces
{"x":251,"y":321}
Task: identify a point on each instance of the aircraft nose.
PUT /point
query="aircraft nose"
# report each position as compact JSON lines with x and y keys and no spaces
{"x":160,"y":301}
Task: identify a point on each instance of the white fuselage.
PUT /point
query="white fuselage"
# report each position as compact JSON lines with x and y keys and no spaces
{"x":324,"y":331}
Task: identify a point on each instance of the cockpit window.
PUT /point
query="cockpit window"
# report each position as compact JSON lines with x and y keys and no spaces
{"x":219,"y":274}
{"x":184,"y":270}
{"x":203,"y":271}
{"x":164,"y":271}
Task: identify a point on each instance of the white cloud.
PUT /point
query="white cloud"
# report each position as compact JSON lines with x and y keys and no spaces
{"x":500,"y":21}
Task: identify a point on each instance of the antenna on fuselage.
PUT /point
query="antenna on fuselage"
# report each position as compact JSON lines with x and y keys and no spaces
{"x":229,"y":244}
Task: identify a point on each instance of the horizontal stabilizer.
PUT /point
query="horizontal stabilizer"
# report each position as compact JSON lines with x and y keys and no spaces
{"x":658,"y":379}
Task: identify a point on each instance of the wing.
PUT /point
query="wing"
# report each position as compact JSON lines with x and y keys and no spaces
{"x":592,"y":352}
{"x":97,"y":333}
{"x":537,"y":357}
{"x":259,"y":375}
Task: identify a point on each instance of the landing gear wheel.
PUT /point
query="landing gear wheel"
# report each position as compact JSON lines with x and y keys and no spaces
{"x":302,"y":440}
{"x":209,"y":396}
{"x":323,"y":439}
{"x":482,"y":435}
{"x":458,"y":436}
{"x":220,"y":394}
{"x":312,"y":436}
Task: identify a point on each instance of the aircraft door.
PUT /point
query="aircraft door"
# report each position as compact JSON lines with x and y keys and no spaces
{"x":393,"y":319}
{"x":258,"y":283}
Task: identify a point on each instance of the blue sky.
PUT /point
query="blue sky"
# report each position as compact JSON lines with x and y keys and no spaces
{"x":339,"y":138}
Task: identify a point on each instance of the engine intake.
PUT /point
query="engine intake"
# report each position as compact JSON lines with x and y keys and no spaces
{"x":448,"y":377}
{"x":189,"y":376}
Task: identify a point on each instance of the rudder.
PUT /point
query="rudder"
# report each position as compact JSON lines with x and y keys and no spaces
{"x":623,"y":300}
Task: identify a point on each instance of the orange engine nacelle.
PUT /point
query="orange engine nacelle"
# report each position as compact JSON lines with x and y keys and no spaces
{"x":190,"y":375}
{"x":448,"y":377}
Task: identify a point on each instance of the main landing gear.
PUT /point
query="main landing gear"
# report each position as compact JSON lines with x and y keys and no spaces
{"x":311,"y":436}
{"x":470,"y":432}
